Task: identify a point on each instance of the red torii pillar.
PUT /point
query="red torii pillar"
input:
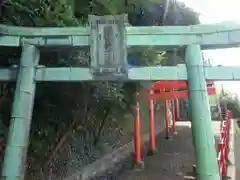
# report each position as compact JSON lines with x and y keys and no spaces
{"x":152,"y":149}
{"x":138,"y":163}
{"x":167,"y":127}
{"x":173,"y":113}
{"x":177,"y":110}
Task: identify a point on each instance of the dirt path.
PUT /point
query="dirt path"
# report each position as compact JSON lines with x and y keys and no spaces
{"x":173,"y":161}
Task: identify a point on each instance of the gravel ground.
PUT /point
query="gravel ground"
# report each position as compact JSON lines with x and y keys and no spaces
{"x":173,"y":161}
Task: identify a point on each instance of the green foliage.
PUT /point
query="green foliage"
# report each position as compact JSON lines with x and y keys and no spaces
{"x":38,"y":13}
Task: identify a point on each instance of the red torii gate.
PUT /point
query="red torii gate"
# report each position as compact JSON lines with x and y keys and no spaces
{"x":162,"y":90}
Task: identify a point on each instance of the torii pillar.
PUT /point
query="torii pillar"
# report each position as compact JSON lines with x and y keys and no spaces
{"x":18,"y":137}
{"x":203,"y":136}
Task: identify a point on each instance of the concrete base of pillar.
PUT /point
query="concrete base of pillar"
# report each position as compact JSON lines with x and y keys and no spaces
{"x":194,"y":169}
{"x":168,"y":137}
{"x":152,"y":152}
{"x":226,"y":178}
{"x":138,"y":166}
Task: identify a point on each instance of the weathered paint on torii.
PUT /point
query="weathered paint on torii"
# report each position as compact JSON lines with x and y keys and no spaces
{"x":194,"y":38}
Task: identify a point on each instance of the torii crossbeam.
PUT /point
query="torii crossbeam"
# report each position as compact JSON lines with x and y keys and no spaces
{"x":194,"y":38}
{"x":158,"y":92}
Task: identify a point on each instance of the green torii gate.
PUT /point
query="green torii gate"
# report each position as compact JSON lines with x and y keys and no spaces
{"x":108,"y":38}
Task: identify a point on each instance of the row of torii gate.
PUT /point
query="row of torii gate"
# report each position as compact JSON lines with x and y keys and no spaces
{"x":109,"y":38}
{"x":164,"y":91}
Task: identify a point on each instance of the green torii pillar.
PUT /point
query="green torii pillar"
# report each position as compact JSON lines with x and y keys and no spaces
{"x":18,"y":137}
{"x":203,"y":136}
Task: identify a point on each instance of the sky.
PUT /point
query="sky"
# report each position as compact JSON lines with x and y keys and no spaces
{"x":215,"y":11}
